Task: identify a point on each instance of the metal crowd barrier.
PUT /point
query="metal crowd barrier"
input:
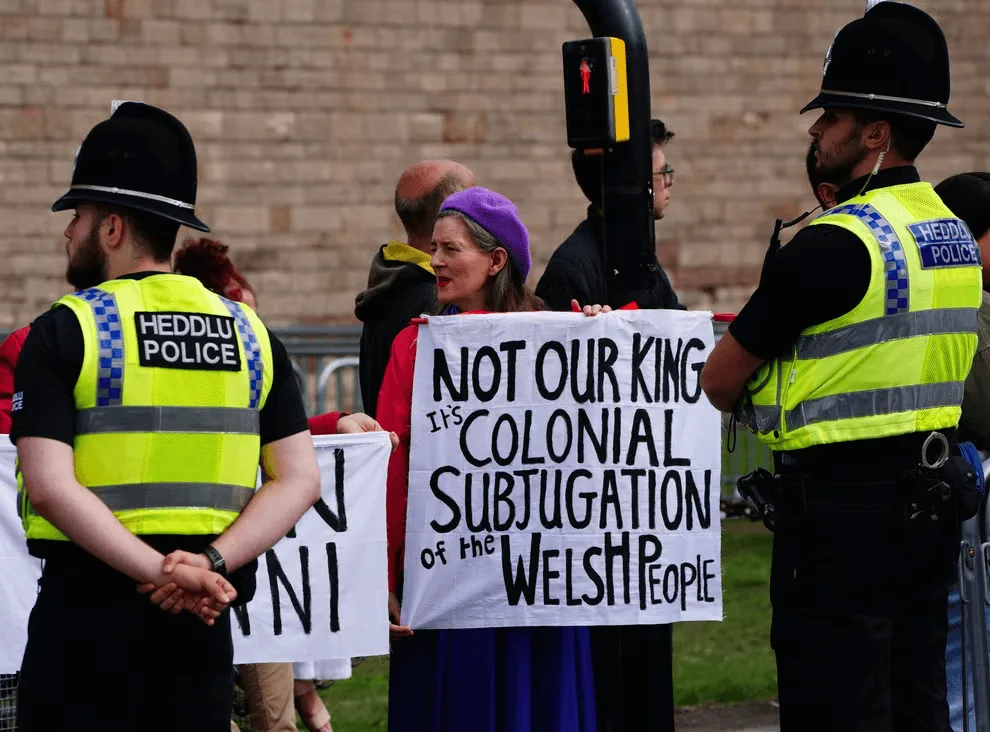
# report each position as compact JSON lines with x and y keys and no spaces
{"x":325,"y":360}
{"x":974,"y":595}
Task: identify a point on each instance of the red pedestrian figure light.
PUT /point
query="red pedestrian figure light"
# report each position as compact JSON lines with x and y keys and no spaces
{"x":585,"y":76}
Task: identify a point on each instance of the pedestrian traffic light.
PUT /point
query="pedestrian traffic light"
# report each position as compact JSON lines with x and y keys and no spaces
{"x":596,"y":96}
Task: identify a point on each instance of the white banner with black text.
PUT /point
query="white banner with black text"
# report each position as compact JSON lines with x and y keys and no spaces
{"x":321,"y":590}
{"x":564,"y":471}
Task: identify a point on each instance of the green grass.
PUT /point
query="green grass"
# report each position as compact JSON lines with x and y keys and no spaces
{"x":731,"y":661}
{"x":722,"y":662}
{"x":359,"y":704}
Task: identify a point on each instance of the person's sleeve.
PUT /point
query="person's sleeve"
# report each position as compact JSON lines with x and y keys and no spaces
{"x":368,"y":371}
{"x":45,"y":377}
{"x":10,"y":352}
{"x":822,"y":274}
{"x":284,"y":413}
{"x":557,"y":288}
{"x":653,"y":292}
{"x":395,"y":415}
{"x":757,"y":328}
{"x":325,"y":424}
{"x":661,"y":296}
{"x":976,"y":396}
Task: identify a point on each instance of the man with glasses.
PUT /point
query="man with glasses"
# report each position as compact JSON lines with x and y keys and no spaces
{"x":663,"y":174}
{"x":576,"y":271}
{"x":629,"y":661}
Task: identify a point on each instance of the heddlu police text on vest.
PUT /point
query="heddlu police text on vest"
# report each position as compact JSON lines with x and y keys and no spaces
{"x":188,"y":341}
{"x":945,"y":243}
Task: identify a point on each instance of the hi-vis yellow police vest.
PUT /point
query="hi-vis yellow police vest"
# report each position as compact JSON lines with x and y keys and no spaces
{"x":896,"y":363}
{"x":168,"y":405}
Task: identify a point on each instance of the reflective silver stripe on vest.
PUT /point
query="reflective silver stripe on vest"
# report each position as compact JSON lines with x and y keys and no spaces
{"x":760,"y":418}
{"x":219,"y":496}
{"x":875,"y":401}
{"x":230,"y":420}
{"x":941,"y":321}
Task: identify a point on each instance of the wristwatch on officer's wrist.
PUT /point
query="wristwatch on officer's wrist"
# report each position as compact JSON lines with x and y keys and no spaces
{"x":219,"y":563}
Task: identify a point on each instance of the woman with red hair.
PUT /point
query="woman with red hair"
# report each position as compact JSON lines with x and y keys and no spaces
{"x":207,"y":260}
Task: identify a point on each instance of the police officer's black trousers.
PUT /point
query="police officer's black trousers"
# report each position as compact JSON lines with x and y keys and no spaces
{"x":859,"y":599}
{"x":102,"y":657}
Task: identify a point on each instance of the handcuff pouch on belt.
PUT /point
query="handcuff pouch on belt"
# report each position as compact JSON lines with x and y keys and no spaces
{"x":949,"y":478}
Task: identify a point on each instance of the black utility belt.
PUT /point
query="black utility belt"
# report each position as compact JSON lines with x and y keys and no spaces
{"x":941,"y":483}
{"x":808,"y":492}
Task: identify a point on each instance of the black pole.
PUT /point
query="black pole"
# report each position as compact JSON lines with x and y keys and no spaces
{"x":634,"y":689}
{"x":628,"y":167}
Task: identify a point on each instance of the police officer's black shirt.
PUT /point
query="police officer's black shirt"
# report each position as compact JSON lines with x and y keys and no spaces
{"x":822,"y":274}
{"x":45,"y":378}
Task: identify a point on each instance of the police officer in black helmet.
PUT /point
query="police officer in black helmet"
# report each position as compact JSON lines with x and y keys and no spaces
{"x":144,"y":406}
{"x":849,"y":362}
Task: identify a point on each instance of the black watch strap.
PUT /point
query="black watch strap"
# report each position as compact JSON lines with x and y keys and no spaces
{"x":219,"y":563}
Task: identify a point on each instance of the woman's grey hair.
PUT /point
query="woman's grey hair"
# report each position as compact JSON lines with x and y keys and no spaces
{"x":501,"y":294}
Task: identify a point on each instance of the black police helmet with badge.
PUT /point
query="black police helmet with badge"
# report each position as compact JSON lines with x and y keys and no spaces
{"x":142,"y":158}
{"x":894,"y":59}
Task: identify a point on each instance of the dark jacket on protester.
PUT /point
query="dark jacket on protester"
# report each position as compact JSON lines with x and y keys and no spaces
{"x":577,"y":271}
{"x":401,"y":286}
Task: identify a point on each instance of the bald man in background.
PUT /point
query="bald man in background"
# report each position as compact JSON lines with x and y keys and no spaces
{"x":401,"y":284}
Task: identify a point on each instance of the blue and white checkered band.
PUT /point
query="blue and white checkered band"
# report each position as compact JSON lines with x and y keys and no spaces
{"x":893,"y":253}
{"x":110,"y":345}
{"x":252,"y":351}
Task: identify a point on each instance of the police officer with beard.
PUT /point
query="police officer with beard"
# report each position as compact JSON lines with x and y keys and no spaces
{"x":143,"y":405}
{"x":849,"y":362}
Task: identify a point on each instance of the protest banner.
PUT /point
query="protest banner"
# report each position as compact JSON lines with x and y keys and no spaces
{"x":20,"y":571}
{"x":321,"y":590}
{"x":564,"y":470}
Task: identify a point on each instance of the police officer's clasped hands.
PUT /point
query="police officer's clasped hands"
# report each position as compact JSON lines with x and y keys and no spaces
{"x":194,"y":587}
{"x":209,"y":595}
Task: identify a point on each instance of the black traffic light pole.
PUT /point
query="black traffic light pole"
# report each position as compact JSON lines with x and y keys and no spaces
{"x":628,"y":167}
{"x":632,"y":664}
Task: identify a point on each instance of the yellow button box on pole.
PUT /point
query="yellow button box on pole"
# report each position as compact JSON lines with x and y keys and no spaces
{"x":596,"y":93}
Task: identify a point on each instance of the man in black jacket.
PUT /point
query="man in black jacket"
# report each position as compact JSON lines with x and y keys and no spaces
{"x":576,"y":271}
{"x":632,"y":683}
{"x":401,"y":284}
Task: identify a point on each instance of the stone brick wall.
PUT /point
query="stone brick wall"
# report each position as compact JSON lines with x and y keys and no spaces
{"x":306,"y":111}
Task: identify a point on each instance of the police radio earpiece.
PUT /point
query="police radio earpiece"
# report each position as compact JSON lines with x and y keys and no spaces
{"x":876,"y":168}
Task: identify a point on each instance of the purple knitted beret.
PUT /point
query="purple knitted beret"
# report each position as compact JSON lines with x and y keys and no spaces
{"x":497,"y":215}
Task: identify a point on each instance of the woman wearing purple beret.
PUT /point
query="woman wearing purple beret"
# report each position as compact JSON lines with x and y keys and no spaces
{"x":482,"y":680}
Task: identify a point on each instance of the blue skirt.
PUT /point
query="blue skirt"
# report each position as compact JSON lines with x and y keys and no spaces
{"x":492,"y":680}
